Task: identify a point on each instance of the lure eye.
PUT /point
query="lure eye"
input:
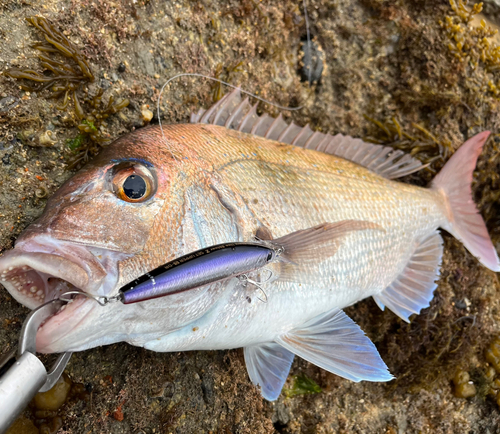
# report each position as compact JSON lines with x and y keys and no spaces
{"x":134,"y":183}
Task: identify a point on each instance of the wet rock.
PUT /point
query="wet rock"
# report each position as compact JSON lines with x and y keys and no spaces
{"x":312,"y":63}
{"x":145,"y":59}
{"x":357,"y":38}
{"x":54,"y":398}
{"x":17,"y":159}
{"x":281,"y":416}
{"x":207,"y":387}
{"x":8,"y":103}
{"x":105,"y":84}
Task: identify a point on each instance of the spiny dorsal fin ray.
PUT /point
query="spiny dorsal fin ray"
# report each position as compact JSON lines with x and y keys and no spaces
{"x":413,"y":289}
{"x":234,"y":113}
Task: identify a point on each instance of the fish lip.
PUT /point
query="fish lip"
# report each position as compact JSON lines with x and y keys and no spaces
{"x":25,"y":274}
{"x":42,"y":268}
{"x":54,"y":267}
{"x":62,"y":323}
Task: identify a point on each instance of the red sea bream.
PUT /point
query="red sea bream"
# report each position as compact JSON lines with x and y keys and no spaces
{"x":228,"y":176}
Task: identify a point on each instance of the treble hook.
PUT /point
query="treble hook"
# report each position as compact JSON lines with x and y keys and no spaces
{"x":244,"y":278}
{"x":271,"y":274}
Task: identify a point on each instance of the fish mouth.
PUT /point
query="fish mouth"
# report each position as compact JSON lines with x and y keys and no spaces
{"x":42,"y":269}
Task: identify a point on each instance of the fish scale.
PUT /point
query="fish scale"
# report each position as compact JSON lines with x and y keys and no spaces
{"x":363,"y":201}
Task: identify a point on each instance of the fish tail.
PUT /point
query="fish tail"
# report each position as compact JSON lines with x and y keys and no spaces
{"x":464,"y":221}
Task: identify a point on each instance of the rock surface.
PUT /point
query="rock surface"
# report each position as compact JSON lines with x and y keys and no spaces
{"x":387,"y":62}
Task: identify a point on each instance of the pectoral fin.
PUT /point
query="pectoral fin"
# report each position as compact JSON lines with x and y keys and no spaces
{"x":413,"y":289}
{"x":268,"y":366}
{"x":335,"y":343}
{"x":303,"y":250}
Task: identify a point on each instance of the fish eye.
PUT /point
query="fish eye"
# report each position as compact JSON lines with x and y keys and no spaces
{"x":133,"y":183}
{"x":135,"y":187}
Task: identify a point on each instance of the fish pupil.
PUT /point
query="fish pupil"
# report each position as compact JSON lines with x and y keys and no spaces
{"x":134,"y":187}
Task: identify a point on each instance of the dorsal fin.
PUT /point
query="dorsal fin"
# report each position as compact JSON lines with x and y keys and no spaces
{"x":236,"y":114}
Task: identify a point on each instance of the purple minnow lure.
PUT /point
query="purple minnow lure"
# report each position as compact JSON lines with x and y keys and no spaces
{"x":297,"y":252}
{"x":205,"y":266}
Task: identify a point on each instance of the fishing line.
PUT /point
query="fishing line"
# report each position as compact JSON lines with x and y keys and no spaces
{"x":306,"y":17}
{"x":101,"y":299}
{"x":194,"y":74}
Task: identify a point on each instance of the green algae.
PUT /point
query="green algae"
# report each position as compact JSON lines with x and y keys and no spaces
{"x":302,"y":385}
{"x":76,"y":143}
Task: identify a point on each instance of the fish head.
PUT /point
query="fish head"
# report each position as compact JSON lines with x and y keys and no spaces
{"x":116,"y":219}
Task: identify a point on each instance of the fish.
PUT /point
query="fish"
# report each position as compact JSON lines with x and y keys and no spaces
{"x":227,"y":176}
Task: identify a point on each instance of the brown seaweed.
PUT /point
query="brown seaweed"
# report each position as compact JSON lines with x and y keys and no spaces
{"x":65,"y":71}
{"x":90,"y":139}
{"x":424,"y":145}
{"x":61,"y":77}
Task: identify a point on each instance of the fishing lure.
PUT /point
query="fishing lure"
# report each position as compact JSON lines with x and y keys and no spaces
{"x":203,"y":267}
{"x":237,"y":259}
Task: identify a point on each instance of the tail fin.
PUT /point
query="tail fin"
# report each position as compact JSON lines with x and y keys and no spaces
{"x":465,"y":222}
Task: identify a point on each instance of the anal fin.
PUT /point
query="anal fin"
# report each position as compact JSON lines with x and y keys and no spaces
{"x":335,"y":343}
{"x":413,"y":289}
{"x":268,"y":366}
